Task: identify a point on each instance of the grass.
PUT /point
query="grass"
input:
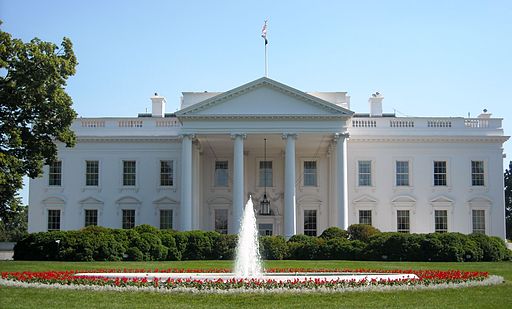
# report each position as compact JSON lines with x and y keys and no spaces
{"x":478,"y":297}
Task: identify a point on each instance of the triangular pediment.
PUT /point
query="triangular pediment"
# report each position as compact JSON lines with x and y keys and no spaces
{"x":165,"y":200}
{"x":364,"y":200}
{"x":264,"y":97}
{"x":441,"y":200}
{"x":53,"y":200}
{"x":90,"y":200}
{"x":480,"y":201}
{"x":127,"y":200}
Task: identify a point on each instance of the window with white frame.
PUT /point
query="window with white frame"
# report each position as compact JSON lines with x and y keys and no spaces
{"x":310,"y":174}
{"x":221,"y":174}
{"x":477,"y":173}
{"x":92,"y":173}
{"x":402,"y":173}
{"x":364,"y":173}
{"x":478,"y":218}
{"x":129,"y":173}
{"x":91,"y":217}
{"x":365,"y":217}
{"x":440,"y":173}
{"x":53,"y":219}
{"x":128,"y":220}
{"x":221,"y":221}
{"x":55,"y":174}
{"x":310,"y":222}
{"x":403,"y":221}
{"x":441,"y":221}
{"x":265,"y":229}
{"x":166,"y":219}
{"x":265,"y":173}
{"x":166,"y":173}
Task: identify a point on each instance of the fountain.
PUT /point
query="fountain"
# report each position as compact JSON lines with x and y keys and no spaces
{"x":248,"y":264}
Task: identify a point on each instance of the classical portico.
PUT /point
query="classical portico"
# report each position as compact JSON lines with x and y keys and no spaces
{"x":229,"y":130}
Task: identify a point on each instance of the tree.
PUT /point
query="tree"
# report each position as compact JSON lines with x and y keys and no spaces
{"x":13,"y":227}
{"x":35,"y":110}
{"x":508,"y":200}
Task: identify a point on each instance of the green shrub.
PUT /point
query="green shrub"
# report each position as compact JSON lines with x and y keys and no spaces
{"x":273,"y":247}
{"x":134,"y":254}
{"x":334,"y":232}
{"x":168,"y":240}
{"x":199,"y":246}
{"x":361,"y":232}
{"x":224,"y":246}
{"x":493,"y":248}
{"x":341,"y":249}
{"x":302,"y":247}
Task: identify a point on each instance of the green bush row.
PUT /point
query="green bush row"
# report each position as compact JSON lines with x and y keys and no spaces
{"x":359,"y":242}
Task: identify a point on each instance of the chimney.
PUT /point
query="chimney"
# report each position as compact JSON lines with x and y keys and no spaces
{"x":376,"y":104}
{"x":158,"y":103}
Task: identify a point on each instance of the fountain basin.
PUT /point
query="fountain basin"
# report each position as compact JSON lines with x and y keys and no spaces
{"x":278,"y":277}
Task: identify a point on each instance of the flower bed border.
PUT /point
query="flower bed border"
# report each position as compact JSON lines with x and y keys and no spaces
{"x":428,"y":279}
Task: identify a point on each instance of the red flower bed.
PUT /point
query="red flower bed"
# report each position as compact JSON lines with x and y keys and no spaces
{"x":425,"y":277}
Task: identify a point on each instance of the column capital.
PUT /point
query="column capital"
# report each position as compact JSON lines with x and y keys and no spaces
{"x":235,"y":135}
{"x":286,"y":135}
{"x":189,"y":135}
{"x":340,"y":136}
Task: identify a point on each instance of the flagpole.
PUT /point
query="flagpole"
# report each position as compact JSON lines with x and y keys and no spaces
{"x":266,"y":64}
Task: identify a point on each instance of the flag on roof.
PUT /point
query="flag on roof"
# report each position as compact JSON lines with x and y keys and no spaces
{"x":264,"y":32}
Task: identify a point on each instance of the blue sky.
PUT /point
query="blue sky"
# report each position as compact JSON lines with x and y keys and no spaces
{"x":428,"y":58}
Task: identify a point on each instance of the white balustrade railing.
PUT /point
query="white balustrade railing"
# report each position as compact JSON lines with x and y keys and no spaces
{"x":427,"y":123}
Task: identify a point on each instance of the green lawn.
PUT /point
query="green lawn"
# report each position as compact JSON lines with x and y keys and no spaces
{"x":478,"y":297}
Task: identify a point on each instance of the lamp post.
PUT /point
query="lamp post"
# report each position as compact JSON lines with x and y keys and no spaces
{"x":265,"y":203}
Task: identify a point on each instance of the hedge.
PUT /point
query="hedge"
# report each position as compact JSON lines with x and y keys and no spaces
{"x":360,"y":242}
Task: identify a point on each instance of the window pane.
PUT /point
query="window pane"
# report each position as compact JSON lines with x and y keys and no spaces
{"x":221,"y":173}
{"x":478,"y":221}
{"x":55,"y":174}
{"x":221,"y":221}
{"x":166,"y":173}
{"x":128,"y":218}
{"x":310,"y":173}
{"x":477,"y":173}
{"x":53,"y":219}
{"x":441,"y":221}
{"x":92,"y":169}
{"x":402,"y":173}
{"x":129,"y":173}
{"x":165,"y":219}
{"x":265,"y":229}
{"x":403,"y":223}
{"x":439,"y":173}
{"x":265,"y":174}
{"x":365,"y":217}
{"x":310,"y":222}
{"x":91,"y":217}
{"x":365,"y":173}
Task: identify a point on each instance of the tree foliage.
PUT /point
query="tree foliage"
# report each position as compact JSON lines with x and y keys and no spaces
{"x":13,"y":226}
{"x":508,"y":199}
{"x":35,"y":110}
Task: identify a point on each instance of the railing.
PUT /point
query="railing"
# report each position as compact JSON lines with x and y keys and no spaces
{"x":122,"y":124}
{"x":92,"y":123}
{"x":424,"y":123}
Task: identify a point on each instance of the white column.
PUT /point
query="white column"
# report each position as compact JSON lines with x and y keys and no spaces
{"x":186,"y":183}
{"x":290,"y":224}
{"x":341,"y":179}
{"x":238,"y":181}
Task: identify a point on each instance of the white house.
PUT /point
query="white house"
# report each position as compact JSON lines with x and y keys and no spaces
{"x":319,"y":163}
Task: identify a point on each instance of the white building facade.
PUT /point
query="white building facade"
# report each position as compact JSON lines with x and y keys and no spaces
{"x":317,"y":163}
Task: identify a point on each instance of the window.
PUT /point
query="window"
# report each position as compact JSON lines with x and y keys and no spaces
{"x":165,"y":219}
{"x":441,"y":221}
{"x":310,"y":222}
{"x":129,"y":173}
{"x":402,"y":221}
{"x":402,"y":173}
{"x":265,"y":229}
{"x":365,"y":217}
{"x":221,"y":221}
{"x":92,"y":173}
{"x":439,"y":173}
{"x":365,"y":173}
{"x":477,"y":173}
{"x":55,"y":174}
{"x":310,"y":174}
{"x":53,"y":220}
{"x":91,"y":217}
{"x":128,"y":218}
{"x":221,"y":173}
{"x":478,"y":221}
{"x":265,"y":174}
{"x":166,"y":173}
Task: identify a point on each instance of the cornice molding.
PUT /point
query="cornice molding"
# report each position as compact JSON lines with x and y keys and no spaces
{"x":264,"y":117}
{"x":428,"y":139}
